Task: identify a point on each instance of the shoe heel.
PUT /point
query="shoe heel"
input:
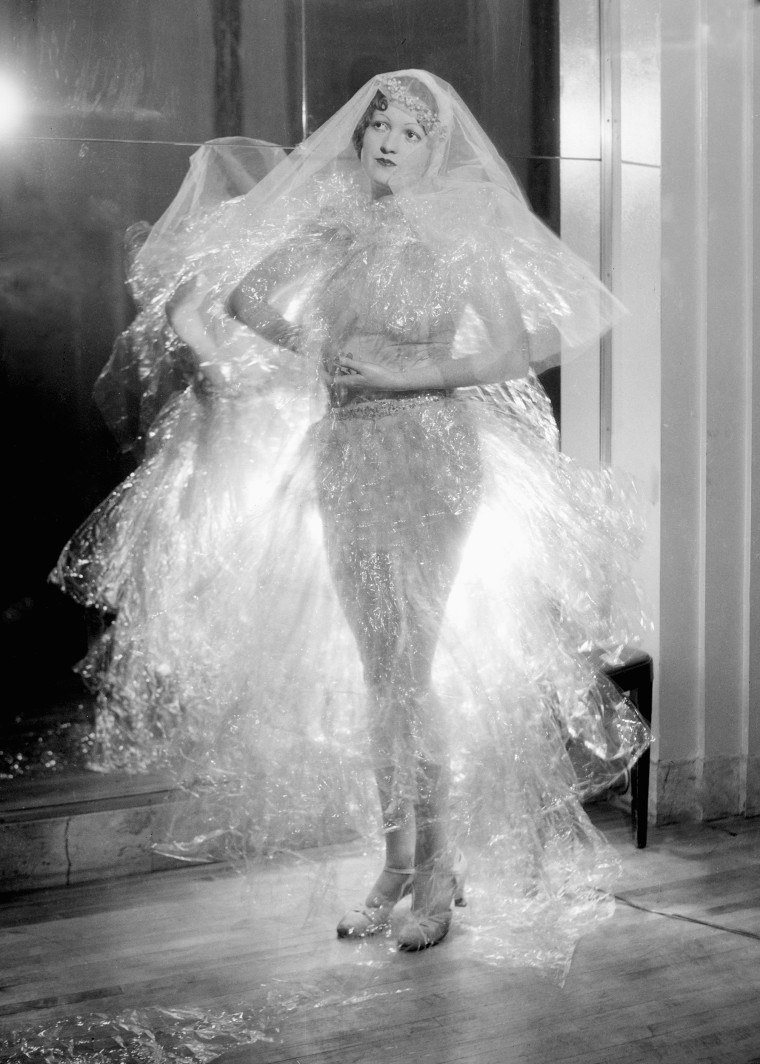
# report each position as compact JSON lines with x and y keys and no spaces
{"x":460,"y":877}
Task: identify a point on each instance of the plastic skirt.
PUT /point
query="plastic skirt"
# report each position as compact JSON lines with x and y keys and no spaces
{"x":295,"y":602}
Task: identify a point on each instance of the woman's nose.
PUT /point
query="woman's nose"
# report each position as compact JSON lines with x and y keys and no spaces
{"x":388,"y":144}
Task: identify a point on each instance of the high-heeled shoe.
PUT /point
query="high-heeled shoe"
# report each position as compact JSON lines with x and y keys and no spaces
{"x":370,"y":918}
{"x":433,"y":893}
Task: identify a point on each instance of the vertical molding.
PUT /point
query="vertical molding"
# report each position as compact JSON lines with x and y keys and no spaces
{"x":725,"y":42}
{"x":709,"y":533}
{"x":579,"y":187}
{"x":304,"y":74}
{"x":635,"y":261}
{"x":544,"y":43}
{"x":702,"y":232}
{"x":228,"y":82}
{"x":609,"y":42}
{"x":753,"y":715}
{"x":683,"y":374}
{"x":747,"y":36}
{"x":707,"y":667}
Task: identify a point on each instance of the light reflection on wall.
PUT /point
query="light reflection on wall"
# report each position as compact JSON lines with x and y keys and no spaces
{"x":12,"y":106}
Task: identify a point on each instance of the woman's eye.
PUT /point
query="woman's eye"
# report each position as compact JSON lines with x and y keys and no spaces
{"x":412,"y":135}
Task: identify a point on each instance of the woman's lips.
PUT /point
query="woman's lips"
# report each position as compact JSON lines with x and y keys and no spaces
{"x":385,"y":162}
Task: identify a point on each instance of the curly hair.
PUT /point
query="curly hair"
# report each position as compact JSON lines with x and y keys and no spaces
{"x":380,"y":102}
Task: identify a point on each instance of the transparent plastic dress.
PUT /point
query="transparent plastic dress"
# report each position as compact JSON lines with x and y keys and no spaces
{"x":149,"y":363}
{"x":305,"y":590}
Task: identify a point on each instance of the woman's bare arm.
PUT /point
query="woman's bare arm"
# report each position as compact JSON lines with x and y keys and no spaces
{"x":482,"y":353}
{"x":218,"y":335}
{"x":250,"y":301}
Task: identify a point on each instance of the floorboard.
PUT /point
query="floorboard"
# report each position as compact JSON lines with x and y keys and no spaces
{"x":674,"y":977}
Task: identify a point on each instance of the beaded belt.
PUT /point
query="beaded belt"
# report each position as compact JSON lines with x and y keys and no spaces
{"x":372,"y":408}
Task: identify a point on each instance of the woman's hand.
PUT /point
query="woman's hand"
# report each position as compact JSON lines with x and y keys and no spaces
{"x":185,"y":297}
{"x":369,"y":362}
{"x":184,"y":313}
{"x":210,"y":380}
{"x":355,"y":374}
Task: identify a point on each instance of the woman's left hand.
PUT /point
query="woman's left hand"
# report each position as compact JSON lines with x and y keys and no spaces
{"x":354,"y":374}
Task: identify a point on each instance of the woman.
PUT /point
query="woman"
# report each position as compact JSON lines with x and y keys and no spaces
{"x":392,"y":260}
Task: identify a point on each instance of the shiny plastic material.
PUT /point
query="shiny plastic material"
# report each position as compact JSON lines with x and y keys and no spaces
{"x":139,"y":1036}
{"x":149,"y":363}
{"x":310,"y":589}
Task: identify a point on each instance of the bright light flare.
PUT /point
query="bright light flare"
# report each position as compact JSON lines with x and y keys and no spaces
{"x":498,"y":552}
{"x":12,"y":106}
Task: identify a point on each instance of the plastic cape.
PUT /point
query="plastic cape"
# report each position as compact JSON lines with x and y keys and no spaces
{"x":149,"y":363}
{"x":299,"y":595}
{"x":465,"y":201}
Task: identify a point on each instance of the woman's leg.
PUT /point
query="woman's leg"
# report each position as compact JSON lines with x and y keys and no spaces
{"x":400,"y":837}
{"x":431,"y":812}
{"x":394,"y":604}
{"x":365,"y":586}
{"x":397,"y":504}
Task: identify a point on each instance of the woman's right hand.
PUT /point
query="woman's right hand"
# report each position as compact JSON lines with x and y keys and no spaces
{"x":182,"y":310}
{"x":186,"y":315}
{"x":183,"y":296}
{"x":209,"y":380}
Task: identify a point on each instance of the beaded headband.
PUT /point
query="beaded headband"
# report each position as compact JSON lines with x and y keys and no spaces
{"x":396,"y":91}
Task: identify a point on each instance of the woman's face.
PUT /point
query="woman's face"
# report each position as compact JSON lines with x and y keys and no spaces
{"x":394,"y":151}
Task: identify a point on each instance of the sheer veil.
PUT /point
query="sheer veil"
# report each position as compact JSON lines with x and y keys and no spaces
{"x":466,"y":203}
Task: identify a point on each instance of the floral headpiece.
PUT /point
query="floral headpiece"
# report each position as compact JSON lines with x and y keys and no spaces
{"x":396,"y":91}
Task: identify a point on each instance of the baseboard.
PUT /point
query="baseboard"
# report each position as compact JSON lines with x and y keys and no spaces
{"x":56,"y":832}
{"x":704,"y":789}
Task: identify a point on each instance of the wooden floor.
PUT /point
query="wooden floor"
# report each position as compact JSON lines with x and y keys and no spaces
{"x":200,"y":962}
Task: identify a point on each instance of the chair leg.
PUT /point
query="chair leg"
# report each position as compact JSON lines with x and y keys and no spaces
{"x":637,"y":679}
{"x":644,"y":703}
{"x":640,"y":799}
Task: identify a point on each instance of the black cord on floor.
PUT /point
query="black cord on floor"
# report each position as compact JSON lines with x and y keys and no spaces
{"x":688,"y":919}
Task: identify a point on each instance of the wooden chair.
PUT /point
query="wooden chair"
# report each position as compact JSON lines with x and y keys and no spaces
{"x":635,"y":677}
